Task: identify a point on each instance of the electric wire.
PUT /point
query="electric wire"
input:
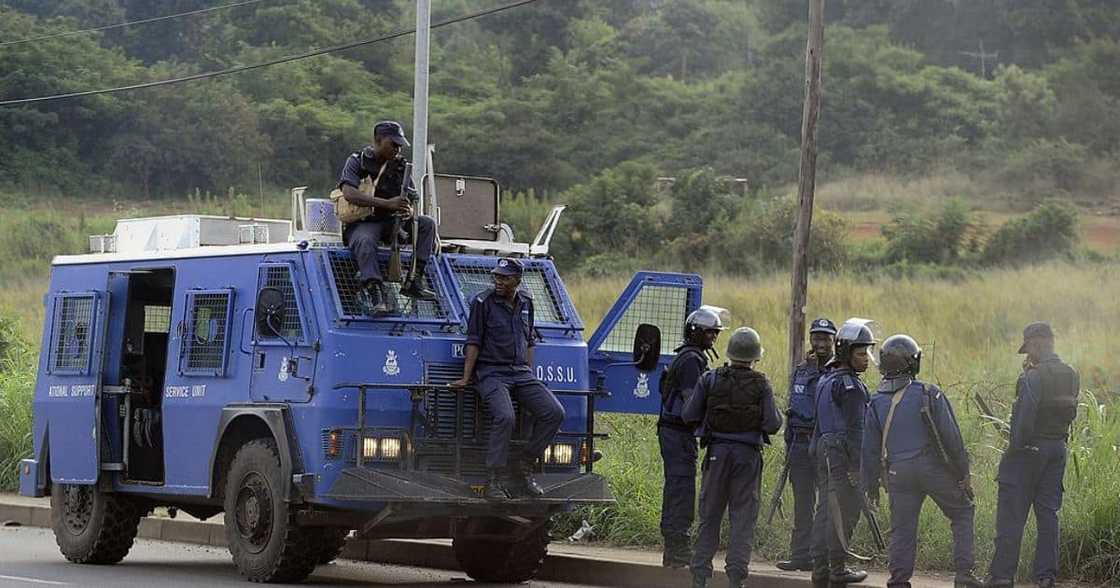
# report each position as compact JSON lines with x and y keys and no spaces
{"x":129,"y":23}
{"x":286,"y":59}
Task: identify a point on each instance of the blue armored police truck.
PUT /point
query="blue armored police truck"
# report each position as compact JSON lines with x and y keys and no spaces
{"x":216,"y":364}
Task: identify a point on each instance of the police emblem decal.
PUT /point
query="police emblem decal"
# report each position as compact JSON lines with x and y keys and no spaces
{"x":641,"y":390}
{"x":391,"y":368}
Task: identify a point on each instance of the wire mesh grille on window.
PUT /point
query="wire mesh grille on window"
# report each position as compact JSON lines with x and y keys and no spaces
{"x":280,"y":277}
{"x":474,"y":279}
{"x":348,"y":281}
{"x":663,"y":306}
{"x":73,"y":330}
{"x":157,"y":319}
{"x":205,"y":337}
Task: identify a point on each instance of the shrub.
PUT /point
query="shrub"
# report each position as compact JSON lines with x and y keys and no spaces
{"x":1047,"y":232}
{"x":912,"y":236}
{"x":1043,"y":167}
{"x":764,"y":231}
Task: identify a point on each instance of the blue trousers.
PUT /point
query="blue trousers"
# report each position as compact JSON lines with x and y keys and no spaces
{"x":803,"y":479}
{"x":678,"y":496}
{"x":908,"y":483}
{"x":1029,"y":479}
{"x":732,"y":482}
{"x":497,"y":386}
{"x":834,"y":473}
{"x":363,"y":238}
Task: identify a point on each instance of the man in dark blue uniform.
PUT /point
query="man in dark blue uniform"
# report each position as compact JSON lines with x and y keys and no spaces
{"x":383,"y":164}
{"x":734,"y":406}
{"x":913,"y":445}
{"x":802,"y":415}
{"x":841,"y":403}
{"x":677,"y":438}
{"x":500,"y":344}
{"x":1032,"y":468}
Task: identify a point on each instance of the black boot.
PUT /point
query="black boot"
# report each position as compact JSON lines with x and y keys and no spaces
{"x":820,"y":575}
{"x":699,"y":581}
{"x":414,"y":286}
{"x":844,"y":575}
{"x":967,"y":580}
{"x":999,"y":583}
{"x":795,"y":566}
{"x":1046,"y":583}
{"x":677,"y":552}
{"x":736,"y":580}
{"x":524,"y":482}
{"x":495,"y":487}
{"x":374,"y":298}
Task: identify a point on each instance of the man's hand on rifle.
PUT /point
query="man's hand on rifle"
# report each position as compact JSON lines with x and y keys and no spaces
{"x":873,"y":497}
{"x":966,"y":486}
{"x":400,"y":204}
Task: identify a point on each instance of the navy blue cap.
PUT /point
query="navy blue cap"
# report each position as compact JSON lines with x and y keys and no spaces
{"x":391,"y":129}
{"x":508,"y":266}
{"x":823,"y":325}
{"x":1039,"y":330}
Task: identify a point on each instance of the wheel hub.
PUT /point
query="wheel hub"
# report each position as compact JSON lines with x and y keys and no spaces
{"x":79,"y":508}
{"x":254,"y":512}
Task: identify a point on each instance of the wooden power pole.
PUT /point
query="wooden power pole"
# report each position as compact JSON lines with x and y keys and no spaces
{"x":806,"y":181}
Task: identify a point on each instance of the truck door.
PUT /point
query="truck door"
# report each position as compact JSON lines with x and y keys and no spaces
{"x":284,"y":355}
{"x":654,"y":298}
{"x":74,"y":366}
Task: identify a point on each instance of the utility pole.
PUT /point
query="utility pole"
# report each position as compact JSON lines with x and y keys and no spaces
{"x":806,"y":181}
{"x":982,"y":56}
{"x":420,"y":100}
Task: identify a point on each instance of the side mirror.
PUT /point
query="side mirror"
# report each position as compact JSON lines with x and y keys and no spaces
{"x":647,"y":347}
{"x":270,"y":311}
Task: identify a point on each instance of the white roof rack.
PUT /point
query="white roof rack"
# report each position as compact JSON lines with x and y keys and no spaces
{"x":188,"y":231}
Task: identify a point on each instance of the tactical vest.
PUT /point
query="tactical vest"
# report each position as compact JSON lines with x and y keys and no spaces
{"x":670,"y":388}
{"x":734,"y":404}
{"x":1057,"y":406}
{"x":830,"y":415}
{"x":803,"y":398}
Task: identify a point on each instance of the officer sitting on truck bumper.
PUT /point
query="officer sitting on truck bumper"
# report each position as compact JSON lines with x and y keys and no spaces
{"x":500,"y":343}
{"x":368,"y":214}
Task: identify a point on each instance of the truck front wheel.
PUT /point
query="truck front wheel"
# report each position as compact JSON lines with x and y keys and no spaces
{"x":265,"y":543}
{"x":486,"y":557}
{"x":91,"y":526}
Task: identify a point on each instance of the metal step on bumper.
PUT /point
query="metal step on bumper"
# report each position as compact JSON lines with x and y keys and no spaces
{"x":360,"y":484}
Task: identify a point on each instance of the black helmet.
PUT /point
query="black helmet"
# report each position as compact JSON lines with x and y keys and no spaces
{"x":745,"y":345}
{"x":705,"y":318}
{"x":855,"y":332}
{"x":900,"y":356}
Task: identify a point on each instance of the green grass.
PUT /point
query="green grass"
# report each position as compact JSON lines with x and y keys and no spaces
{"x":970,"y":330}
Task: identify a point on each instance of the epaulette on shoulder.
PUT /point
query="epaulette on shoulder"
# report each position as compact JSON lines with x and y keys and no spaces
{"x":849,"y":382}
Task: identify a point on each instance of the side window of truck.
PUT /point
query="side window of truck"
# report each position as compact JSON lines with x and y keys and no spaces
{"x":205,"y":340}
{"x":71,"y":334}
{"x":279,"y":276}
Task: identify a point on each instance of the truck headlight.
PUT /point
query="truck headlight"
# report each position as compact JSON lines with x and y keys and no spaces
{"x":559,"y":454}
{"x":381,"y":448}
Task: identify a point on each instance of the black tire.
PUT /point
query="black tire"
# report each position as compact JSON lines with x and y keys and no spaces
{"x":91,"y":526}
{"x":505,"y":562}
{"x":265,"y":543}
{"x":329,"y":544}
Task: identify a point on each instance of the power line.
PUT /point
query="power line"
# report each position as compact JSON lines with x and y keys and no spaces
{"x":129,"y":23}
{"x":296,"y":57}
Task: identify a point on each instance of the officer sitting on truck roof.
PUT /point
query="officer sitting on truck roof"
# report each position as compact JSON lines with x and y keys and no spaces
{"x":500,"y":342}
{"x":368,"y":213}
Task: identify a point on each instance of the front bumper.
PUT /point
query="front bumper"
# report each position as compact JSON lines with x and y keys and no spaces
{"x":361,"y":484}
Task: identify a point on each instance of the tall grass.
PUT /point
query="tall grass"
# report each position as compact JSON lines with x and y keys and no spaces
{"x":970,"y":330}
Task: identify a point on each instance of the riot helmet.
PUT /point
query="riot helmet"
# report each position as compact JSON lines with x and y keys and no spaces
{"x":900,"y":357}
{"x":855,"y":332}
{"x":702,"y":320}
{"x":745,"y":345}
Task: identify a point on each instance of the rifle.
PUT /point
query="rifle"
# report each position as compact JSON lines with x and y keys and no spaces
{"x":931,"y":425}
{"x":835,"y":513}
{"x":990,"y":416}
{"x":872,"y":521}
{"x":394,"y":270}
{"x":776,"y":498}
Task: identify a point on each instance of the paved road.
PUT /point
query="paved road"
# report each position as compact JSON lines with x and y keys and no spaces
{"x":29,"y":558}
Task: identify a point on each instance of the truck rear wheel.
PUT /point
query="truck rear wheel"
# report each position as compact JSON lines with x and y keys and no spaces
{"x":492,"y":559}
{"x":265,"y":543}
{"x":91,"y":526}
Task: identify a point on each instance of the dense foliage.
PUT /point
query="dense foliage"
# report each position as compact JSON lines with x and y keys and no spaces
{"x":549,"y":95}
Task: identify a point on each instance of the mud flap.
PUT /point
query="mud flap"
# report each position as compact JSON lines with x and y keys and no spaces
{"x":652,"y":298}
